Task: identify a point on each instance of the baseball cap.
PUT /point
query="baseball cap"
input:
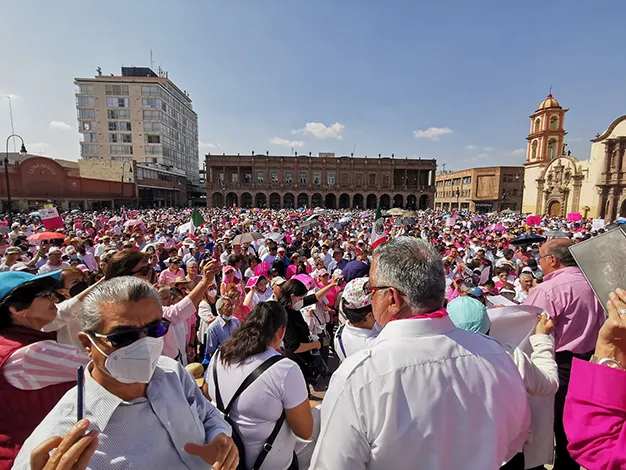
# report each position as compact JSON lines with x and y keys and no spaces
{"x":469,"y":314}
{"x":13,"y":251}
{"x":476,"y":292}
{"x":54,"y":249}
{"x":13,"y":279}
{"x":354,"y":295}
{"x":277,"y":281}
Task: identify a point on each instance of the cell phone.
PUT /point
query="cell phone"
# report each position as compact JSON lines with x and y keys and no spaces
{"x":80,"y":393}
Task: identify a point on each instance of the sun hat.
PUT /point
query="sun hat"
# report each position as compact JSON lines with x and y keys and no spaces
{"x":197,"y":371}
{"x":13,"y":279}
{"x":469,"y":314}
{"x":277,"y":281}
{"x":54,"y":249}
{"x":14,"y":250}
{"x":354,"y":295}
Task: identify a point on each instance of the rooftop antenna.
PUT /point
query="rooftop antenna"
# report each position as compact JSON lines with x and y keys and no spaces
{"x":443,"y":165}
{"x":151,"y":61}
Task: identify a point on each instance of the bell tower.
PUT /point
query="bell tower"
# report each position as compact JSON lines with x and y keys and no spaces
{"x":545,"y":143}
{"x":545,"y":140}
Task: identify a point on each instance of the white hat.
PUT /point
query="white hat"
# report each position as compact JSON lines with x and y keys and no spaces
{"x":54,"y":249}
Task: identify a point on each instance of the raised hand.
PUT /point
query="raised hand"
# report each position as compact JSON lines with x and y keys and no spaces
{"x":221,"y":452}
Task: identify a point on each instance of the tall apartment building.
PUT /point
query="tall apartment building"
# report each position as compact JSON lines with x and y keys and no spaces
{"x":488,"y":189}
{"x":138,"y":116}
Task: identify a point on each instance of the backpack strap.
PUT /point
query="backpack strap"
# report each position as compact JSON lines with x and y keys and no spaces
{"x":339,"y":333}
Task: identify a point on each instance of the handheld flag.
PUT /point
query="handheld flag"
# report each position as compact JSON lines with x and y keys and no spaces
{"x":378,"y":230}
{"x":197,"y":218}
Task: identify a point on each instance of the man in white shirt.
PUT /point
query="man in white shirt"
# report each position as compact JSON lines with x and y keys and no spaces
{"x":360,"y":330}
{"x":426,"y":395}
{"x":54,"y":262}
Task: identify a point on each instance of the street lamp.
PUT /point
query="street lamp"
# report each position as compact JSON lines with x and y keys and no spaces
{"x":130,"y":172}
{"x":458,"y":193}
{"x":6,"y":172}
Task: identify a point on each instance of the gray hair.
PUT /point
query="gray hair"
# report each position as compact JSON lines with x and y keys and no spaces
{"x":526,"y":274}
{"x":220,"y":303}
{"x":413,"y":267}
{"x":118,"y":290}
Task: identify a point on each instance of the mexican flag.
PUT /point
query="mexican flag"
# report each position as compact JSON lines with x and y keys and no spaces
{"x":196,"y":221}
{"x":378,"y":230}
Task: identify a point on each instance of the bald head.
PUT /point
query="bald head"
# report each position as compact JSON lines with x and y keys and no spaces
{"x":555,"y":255}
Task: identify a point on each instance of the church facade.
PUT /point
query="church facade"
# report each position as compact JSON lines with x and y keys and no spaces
{"x":557,"y":183}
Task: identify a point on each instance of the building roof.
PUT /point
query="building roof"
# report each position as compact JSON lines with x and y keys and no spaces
{"x":549,"y":102}
{"x":610,"y":129}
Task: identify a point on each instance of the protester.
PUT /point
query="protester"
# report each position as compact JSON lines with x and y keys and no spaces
{"x":128,"y":387}
{"x":392,"y":405}
{"x":222,"y":328}
{"x":595,"y":411}
{"x":54,"y":261}
{"x":567,"y":297}
{"x":259,"y":291}
{"x":360,"y":330}
{"x":278,"y":392}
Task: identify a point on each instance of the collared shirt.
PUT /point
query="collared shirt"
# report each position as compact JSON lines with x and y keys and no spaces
{"x":146,"y":433}
{"x":177,"y":313}
{"x":167,"y":276}
{"x":578,"y":316}
{"x":48,"y":268}
{"x":219,"y":331}
{"x":354,"y":339}
{"x":337,"y":265}
{"x":426,"y":392}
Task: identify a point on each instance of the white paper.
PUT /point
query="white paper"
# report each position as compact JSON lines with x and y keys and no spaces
{"x":513,"y":325}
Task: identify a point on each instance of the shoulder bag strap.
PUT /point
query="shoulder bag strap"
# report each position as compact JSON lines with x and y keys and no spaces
{"x":218,"y":395}
{"x":339,"y":333}
{"x":267,"y":446}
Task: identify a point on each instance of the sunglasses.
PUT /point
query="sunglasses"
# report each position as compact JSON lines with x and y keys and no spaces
{"x":143,"y":271}
{"x":157,"y":329}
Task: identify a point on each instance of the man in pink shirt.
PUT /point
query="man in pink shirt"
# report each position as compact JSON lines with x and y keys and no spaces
{"x":172,"y":272}
{"x":567,"y":297}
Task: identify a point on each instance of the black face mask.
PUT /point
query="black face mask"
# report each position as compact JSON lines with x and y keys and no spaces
{"x":78,"y":288}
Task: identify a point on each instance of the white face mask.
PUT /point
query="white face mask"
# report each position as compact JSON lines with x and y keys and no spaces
{"x":212,"y":293}
{"x":227,"y":317}
{"x":298,"y":305}
{"x":134,"y":363}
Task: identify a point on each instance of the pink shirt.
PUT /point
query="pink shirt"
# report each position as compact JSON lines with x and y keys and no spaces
{"x":167,"y":276}
{"x":177,"y":313}
{"x":595,"y":416}
{"x":568,"y":298}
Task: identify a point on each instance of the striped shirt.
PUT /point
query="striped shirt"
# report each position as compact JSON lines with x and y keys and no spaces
{"x":44,"y":363}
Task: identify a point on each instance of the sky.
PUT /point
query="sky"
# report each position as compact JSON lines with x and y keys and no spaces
{"x":453,"y":80}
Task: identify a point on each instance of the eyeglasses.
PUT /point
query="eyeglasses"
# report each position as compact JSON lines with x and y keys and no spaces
{"x":143,"y":271}
{"x":50,"y":295}
{"x":157,"y":329}
{"x":544,"y":256}
{"x":369,"y":289}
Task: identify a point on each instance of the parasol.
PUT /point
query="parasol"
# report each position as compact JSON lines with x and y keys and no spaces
{"x":496,"y":228}
{"x":34,"y":214}
{"x":556,"y":234}
{"x":507,"y":212}
{"x":527,"y":239}
{"x":309,"y":224}
{"x":248,"y":237}
{"x":132,"y":223}
{"x":46,"y":236}
{"x":395,"y":211}
{"x":274,"y":236}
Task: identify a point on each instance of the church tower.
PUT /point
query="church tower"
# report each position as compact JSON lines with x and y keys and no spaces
{"x":545,"y":143}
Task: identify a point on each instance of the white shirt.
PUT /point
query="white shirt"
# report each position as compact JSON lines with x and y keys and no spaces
{"x":427,"y":395}
{"x":67,"y":324}
{"x":48,"y":268}
{"x":257,"y":409}
{"x":354,"y":339}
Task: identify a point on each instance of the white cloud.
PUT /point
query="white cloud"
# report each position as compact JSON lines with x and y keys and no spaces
{"x":432,"y":133}
{"x":471,"y":147}
{"x":480,"y":156}
{"x":209,"y":145}
{"x":574,"y":139}
{"x":286,"y":142}
{"x":60,"y":126}
{"x":320,"y":131}
{"x":517,"y":153}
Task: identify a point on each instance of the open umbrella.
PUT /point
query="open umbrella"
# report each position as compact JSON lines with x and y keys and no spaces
{"x":274,"y":236}
{"x":496,"y":228}
{"x":132,"y":223}
{"x":507,"y":212}
{"x":556,"y":234}
{"x":395,"y":211}
{"x":45,"y":236}
{"x":34,"y":214}
{"x":410,"y":214}
{"x":75,"y":211}
{"x":410,"y":221}
{"x":248,"y":237}
{"x":527,"y":239}
{"x":309,"y":224}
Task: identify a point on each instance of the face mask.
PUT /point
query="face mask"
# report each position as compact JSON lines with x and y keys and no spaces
{"x":298,"y":305}
{"x":134,"y":363}
{"x":78,"y":288}
{"x":227,"y":317}
{"x":212,"y":293}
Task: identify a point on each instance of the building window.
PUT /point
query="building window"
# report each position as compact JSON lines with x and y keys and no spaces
{"x":116,"y":90}
{"x":358,"y":180}
{"x":154,"y":149}
{"x":86,"y":113}
{"x":533,"y":151}
{"x":537,"y":125}
{"x":554,"y":123}
{"x":274,"y":177}
{"x":88,"y":149}
{"x":372,"y":179}
{"x":152,"y":90}
{"x":89,"y":137}
{"x":302,"y":177}
{"x":151,"y":102}
{"x":118,"y":113}
{"x":317,"y":178}
{"x":121,"y":149}
{"x":331,"y":179}
{"x":85,"y":89}
{"x":345,"y":179}
{"x":84,"y":101}
{"x":289,"y":177}
{"x":467,"y":180}
{"x":153,"y":139}
{"x":120,"y":138}
{"x":151,"y":115}
{"x":117,"y":102}
{"x":152,"y":127}
{"x":385,"y":180}
{"x":86,"y":126}
{"x":119,"y":126}
{"x":220,"y":178}
{"x":259,"y":177}
{"x":552,"y":149}
{"x":234,"y":178}
{"x":247,"y":178}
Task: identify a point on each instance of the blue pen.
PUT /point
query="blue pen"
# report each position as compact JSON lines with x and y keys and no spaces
{"x":80,"y":390}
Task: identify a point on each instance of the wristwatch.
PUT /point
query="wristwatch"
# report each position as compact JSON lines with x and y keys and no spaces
{"x":606,"y":361}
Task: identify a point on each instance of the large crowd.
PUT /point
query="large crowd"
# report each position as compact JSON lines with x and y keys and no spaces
{"x":282,"y":339}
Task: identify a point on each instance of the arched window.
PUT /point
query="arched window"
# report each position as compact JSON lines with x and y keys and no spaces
{"x":537,"y":125}
{"x":533,"y":150}
{"x":554,"y":123}
{"x":552,"y":149}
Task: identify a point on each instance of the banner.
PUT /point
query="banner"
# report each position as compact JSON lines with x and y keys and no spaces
{"x":533,"y":220}
{"x":597,"y":224}
{"x":50,"y":218}
{"x":574,"y":217}
{"x":450,"y":221}
{"x":513,"y":325}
